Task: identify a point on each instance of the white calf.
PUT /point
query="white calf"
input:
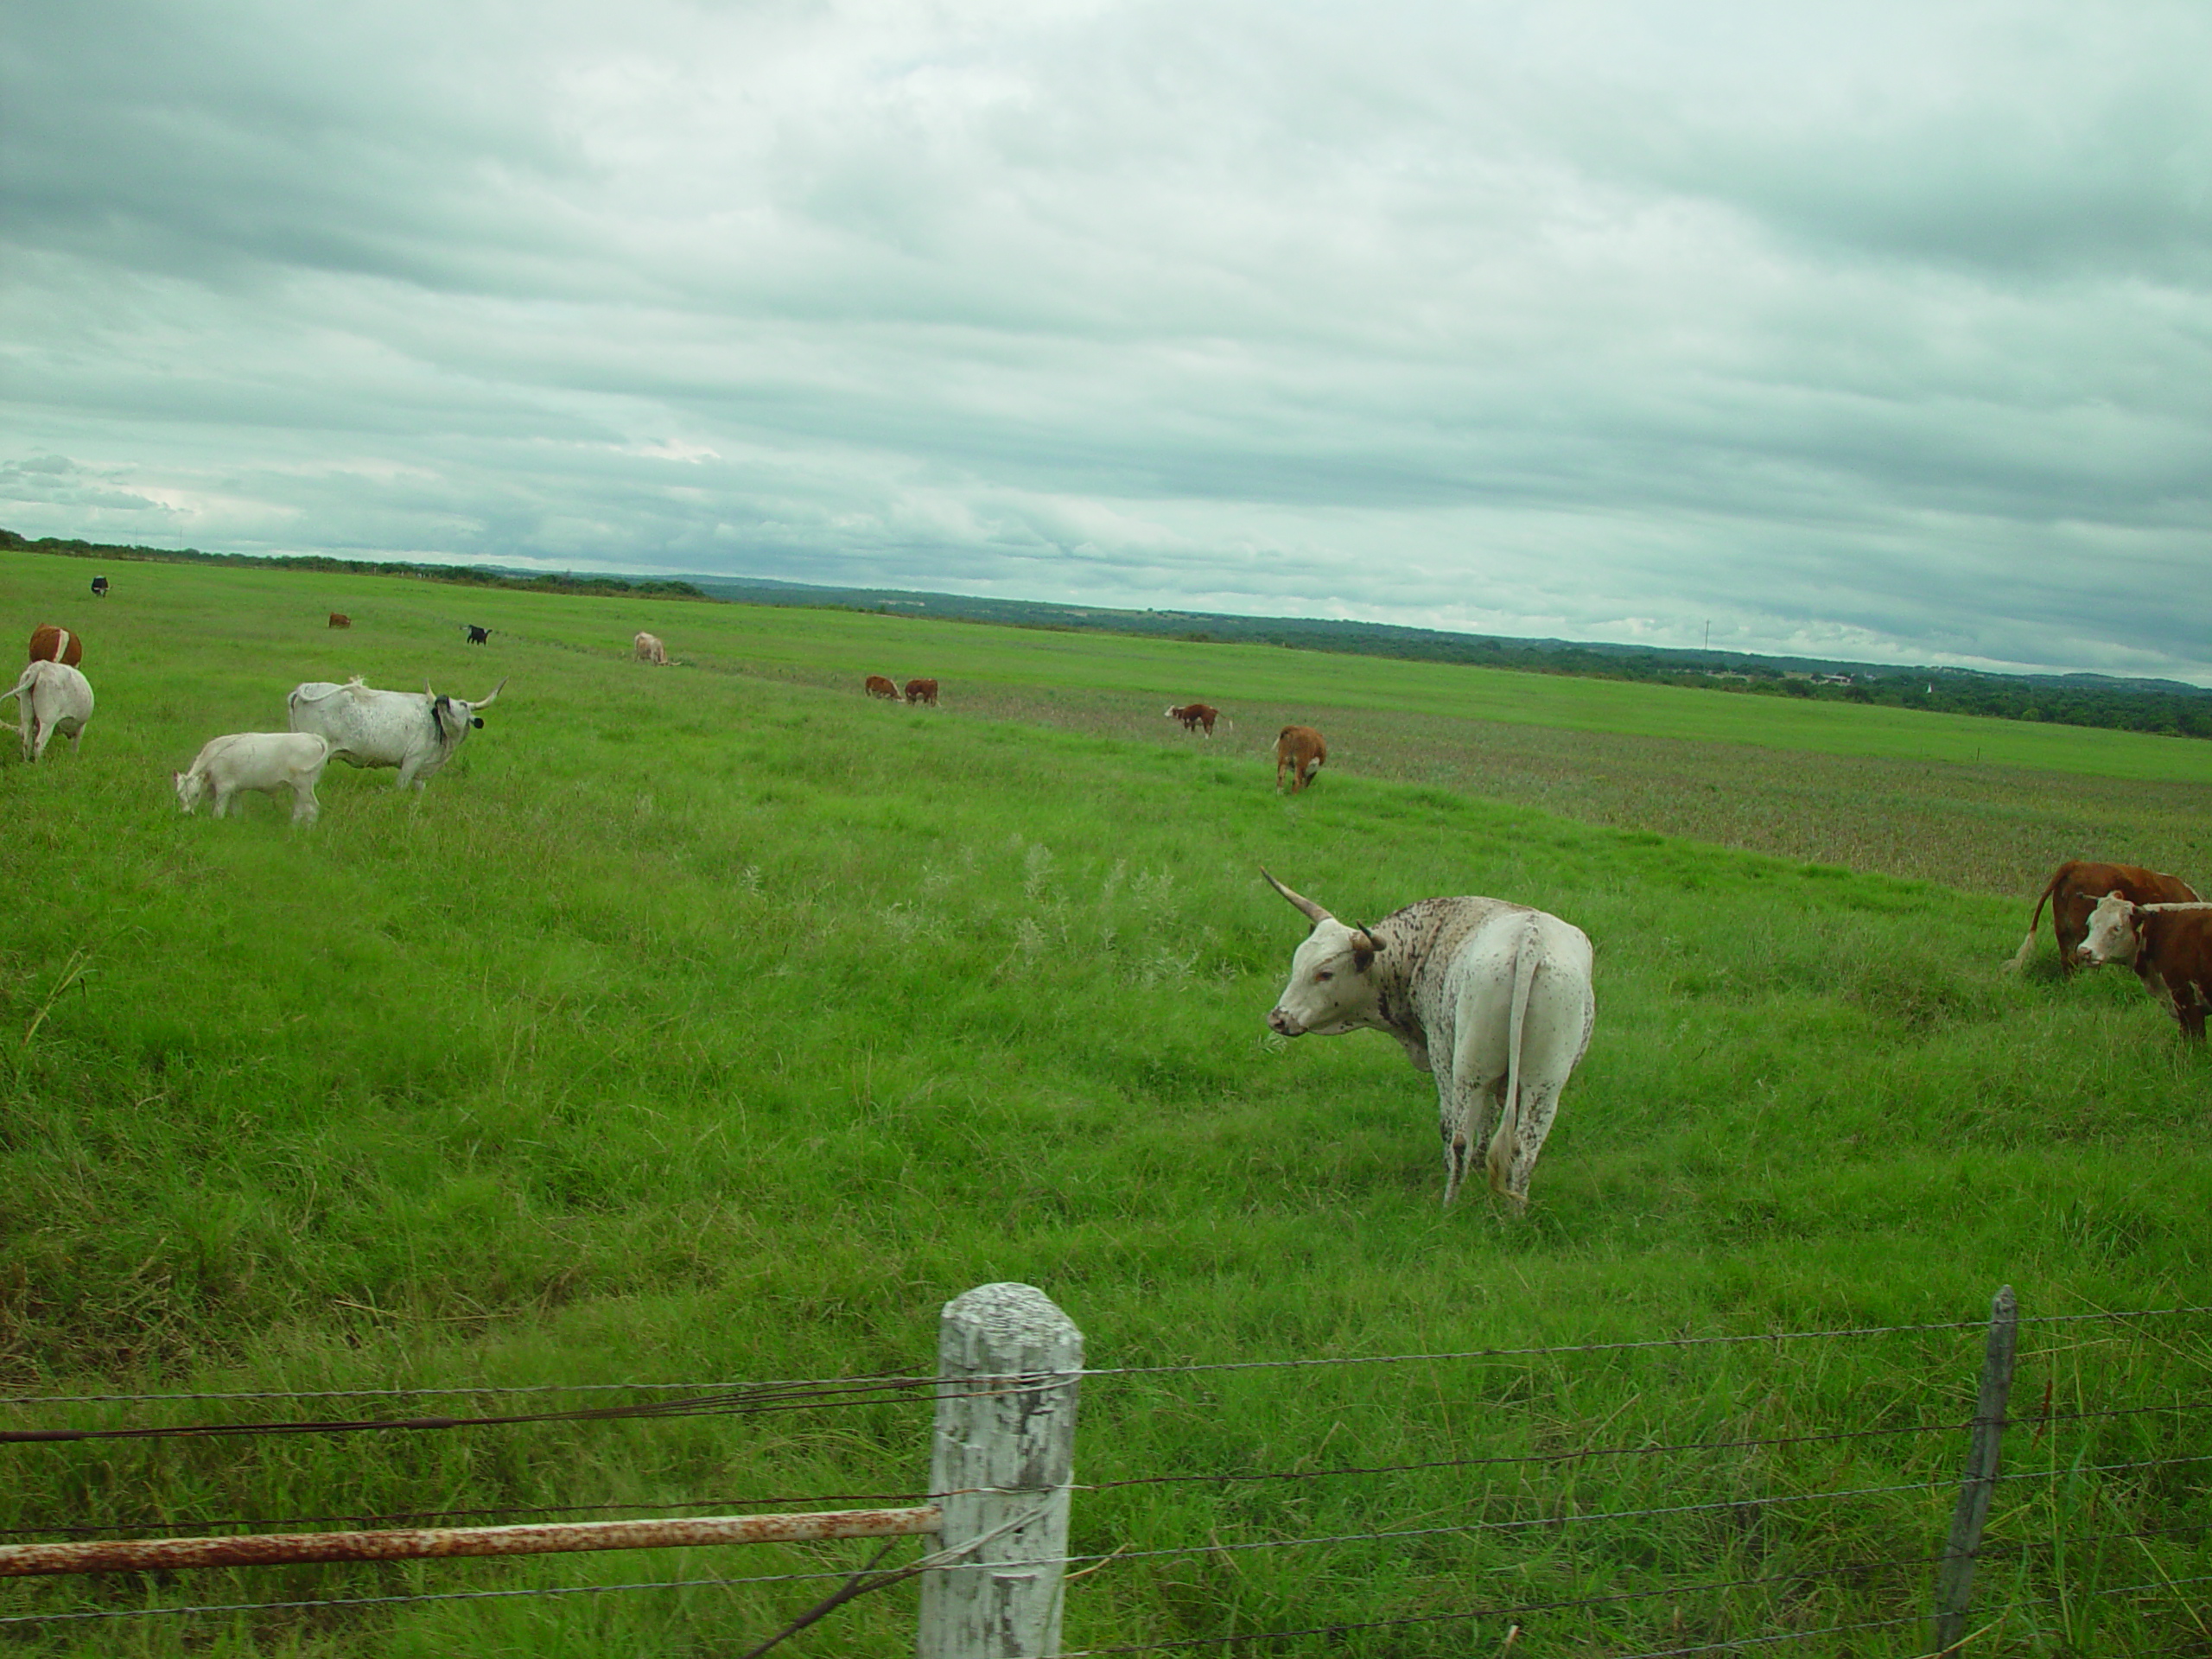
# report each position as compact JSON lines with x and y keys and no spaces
{"x":267,"y":762}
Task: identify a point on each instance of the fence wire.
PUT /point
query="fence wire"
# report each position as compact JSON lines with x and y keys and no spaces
{"x":894,"y":1382}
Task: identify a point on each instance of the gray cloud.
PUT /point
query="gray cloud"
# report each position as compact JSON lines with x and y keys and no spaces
{"x":1864,"y":330}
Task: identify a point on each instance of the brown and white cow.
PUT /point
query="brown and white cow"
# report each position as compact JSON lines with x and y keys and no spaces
{"x":922,"y":691}
{"x":52,"y":645}
{"x":2073,"y":892}
{"x":2170,"y":947}
{"x":339,"y":619}
{"x":878,"y":686}
{"x":1195,"y":715}
{"x":1302,"y":749}
{"x":647,"y":648}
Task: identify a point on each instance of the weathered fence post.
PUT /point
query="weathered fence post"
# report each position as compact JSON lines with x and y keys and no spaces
{"x":1954,"y":1577}
{"x":1001,"y":1461}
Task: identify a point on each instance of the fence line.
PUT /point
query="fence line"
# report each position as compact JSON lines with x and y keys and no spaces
{"x":787,"y":1501}
{"x":1006,"y":1327}
{"x":897,"y":1382}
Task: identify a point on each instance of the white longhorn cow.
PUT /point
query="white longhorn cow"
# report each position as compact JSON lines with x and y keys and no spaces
{"x":1493,"y":999}
{"x":415,"y":731}
{"x":647,"y":648}
{"x":266,"y":761}
{"x":50,"y":698}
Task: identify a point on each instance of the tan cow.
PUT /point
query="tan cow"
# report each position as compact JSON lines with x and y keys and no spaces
{"x":2073,"y":892}
{"x":878,"y":686}
{"x":52,"y":645}
{"x":647,"y":648}
{"x":1303,"y":750}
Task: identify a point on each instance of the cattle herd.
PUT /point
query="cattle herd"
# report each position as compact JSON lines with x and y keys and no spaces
{"x":1493,"y":999}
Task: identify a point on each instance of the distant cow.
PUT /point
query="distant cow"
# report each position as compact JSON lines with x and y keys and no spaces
{"x":52,"y":645}
{"x":2073,"y":892}
{"x":415,"y":731}
{"x":922,"y":691}
{"x":2170,"y":947}
{"x":338,"y":619}
{"x":1492,"y":998}
{"x":1301,"y":749}
{"x":50,"y":698}
{"x":266,"y":761}
{"x":880,"y":687}
{"x":99,"y":587}
{"x":477,"y":636}
{"x":647,"y":648}
{"x":1195,"y":715}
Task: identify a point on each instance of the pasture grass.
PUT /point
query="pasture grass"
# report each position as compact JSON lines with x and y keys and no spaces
{"x":713,"y":1023}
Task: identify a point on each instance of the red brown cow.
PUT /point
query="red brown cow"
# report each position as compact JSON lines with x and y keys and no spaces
{"x":878,"y":686}
{"x":1302,"y":749}
{"x":922,"y":691}
{"x":52,"y":645}
{"x":2170,"y":947}
{"x":340,"y":619}
{"x":2073,"y":892}
{"x":1195,"y":715}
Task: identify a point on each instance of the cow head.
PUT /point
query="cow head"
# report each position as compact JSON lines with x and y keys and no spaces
{"x":190,"y":786}
{"x":1332,"y":987}
{"x":2112,"y":936}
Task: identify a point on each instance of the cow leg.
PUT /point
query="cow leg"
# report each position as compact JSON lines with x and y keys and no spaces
{"x":1467,"y":1101}
{"x":305,"y":808}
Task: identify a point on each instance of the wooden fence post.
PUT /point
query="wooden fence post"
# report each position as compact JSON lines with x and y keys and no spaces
{"x":1009,"y":1364}
{"x":1954,"y":1577}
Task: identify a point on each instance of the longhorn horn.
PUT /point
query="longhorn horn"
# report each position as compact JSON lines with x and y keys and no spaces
{"x":1314,"y":913}
{"x":487,"y":701}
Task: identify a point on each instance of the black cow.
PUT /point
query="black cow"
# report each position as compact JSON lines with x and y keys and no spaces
{"x":99,"y":587}
{"x":478,"y":636}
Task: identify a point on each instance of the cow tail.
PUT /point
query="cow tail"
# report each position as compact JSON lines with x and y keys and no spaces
{"x":1505,"y":1143}
{"x":2028,"y":945}
{"x":16,"y":689}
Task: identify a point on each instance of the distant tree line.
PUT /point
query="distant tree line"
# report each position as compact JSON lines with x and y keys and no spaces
{"x":463,"y":575}
{"x":2164,"y":707}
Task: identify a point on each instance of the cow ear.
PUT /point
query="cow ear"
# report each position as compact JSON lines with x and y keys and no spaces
{"x":1365,"y":950}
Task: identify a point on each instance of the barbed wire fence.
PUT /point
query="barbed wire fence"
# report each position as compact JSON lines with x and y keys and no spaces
{"x":996,"y":1511}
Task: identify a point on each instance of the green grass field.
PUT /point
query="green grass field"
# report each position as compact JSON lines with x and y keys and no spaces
{"x":713,"y":1023}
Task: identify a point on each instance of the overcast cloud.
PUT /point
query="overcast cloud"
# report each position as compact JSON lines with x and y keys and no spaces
{"x":1865,"y":331}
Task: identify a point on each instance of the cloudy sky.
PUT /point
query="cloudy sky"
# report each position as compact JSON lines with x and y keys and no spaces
{"x":1873,"y":331}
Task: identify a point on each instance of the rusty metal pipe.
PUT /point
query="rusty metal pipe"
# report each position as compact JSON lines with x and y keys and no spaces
{"x":419,"y":1543}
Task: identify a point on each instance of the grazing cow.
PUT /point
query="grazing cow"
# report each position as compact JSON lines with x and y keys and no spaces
{"x":1301,"y":749}
{"x":415,"y":731}
{"x":878,"y":686}
{"x":647,"y":648}
{"x":52,"y":645}
{"x":1195,"y":715}
{"x":477,"y":636}
{"x":50,"y":698}
{"x":99,"y":587}
{"x":266,"y":761}
{"x":922,"y":691}
{"x":2170,"y":947}
{"x":2073,"y":892}
{"x":339,"y":619}
{"x":1492,"y":998}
